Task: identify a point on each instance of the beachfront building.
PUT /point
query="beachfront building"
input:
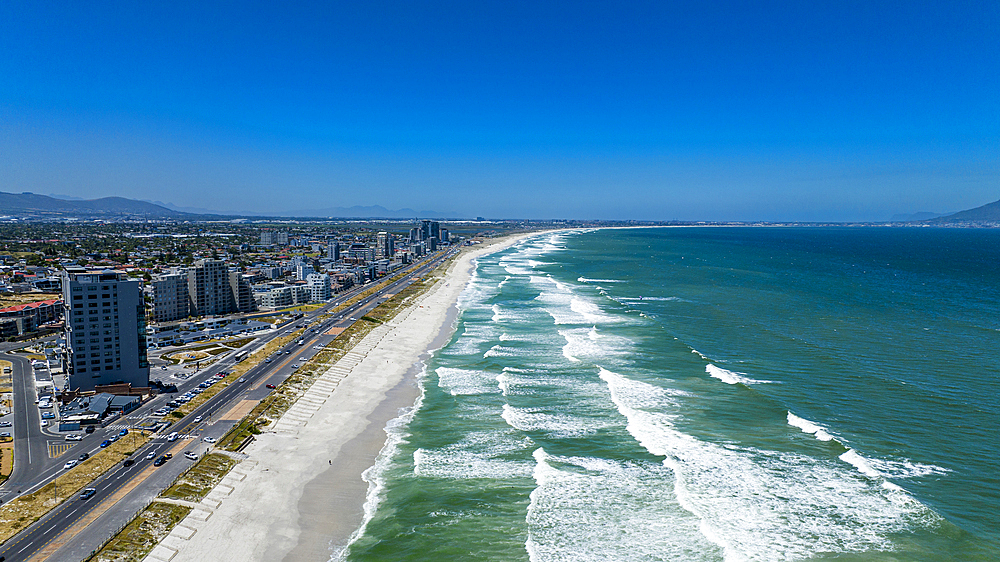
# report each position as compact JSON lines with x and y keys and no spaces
{"x":209,"y":292}
{"x":319,"y":287}
{"x":105,"y":329}
{"x":170,"y":296}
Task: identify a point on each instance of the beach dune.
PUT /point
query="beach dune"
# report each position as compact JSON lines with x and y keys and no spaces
{"x":299,"y":494}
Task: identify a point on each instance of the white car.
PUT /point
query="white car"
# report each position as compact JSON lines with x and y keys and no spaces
{"x":208,"y":439}
{"x":74,"y":437}
{"x":150,"y":456}
{"x":190,"y":456}
{"x":70,"y":464}
{"x":197,"y":419}
{"x":45,"y":423}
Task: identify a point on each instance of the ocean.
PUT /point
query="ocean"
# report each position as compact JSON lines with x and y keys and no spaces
{"x":707,"y":394}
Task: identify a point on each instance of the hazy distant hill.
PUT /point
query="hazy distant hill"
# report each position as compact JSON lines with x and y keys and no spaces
{"x":368,"y":212}
{"x":921,"y":216}
{"x":32,"y":204}
{"x":989,"y":212}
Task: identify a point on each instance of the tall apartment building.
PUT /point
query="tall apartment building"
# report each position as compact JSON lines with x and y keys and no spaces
{"x":384,"y":246}
{"x":430,"y":229}
{"x":170,"y":296}
{"x":242,"y":292}
{"x":209,"y":292}
{"x":105,"y":329}
{"x":445,"y":235}
{"x":272,"y":237}
{"x":319,"y":287}
{"x":333,"y":250}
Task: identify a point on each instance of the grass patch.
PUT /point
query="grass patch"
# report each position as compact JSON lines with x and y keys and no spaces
{"x":18,"y":514}
{"x":199,"y":480}
{"x":140,"y":536}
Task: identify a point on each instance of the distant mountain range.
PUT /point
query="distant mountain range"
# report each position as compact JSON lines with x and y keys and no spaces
{"x":33,"y":205}
{"x":989,"y":212}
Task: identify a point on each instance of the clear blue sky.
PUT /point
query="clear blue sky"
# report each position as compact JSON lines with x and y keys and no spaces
{"x":829,"y":110}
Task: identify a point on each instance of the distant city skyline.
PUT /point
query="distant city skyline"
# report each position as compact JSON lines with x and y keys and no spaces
{"x":647,"y":110}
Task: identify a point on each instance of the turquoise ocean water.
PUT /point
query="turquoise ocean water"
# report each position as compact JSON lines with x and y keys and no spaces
{"x":707,"y":394}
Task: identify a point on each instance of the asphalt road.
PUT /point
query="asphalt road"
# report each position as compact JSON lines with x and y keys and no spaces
{"x":142,"y":482}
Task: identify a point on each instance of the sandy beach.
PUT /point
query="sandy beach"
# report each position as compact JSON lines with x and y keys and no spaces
{"x":299,"y":494}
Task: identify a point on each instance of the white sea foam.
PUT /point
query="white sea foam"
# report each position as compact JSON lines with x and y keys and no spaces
{"x":565,"y":306}
{"x":396,"y":433}
{"x":807,"y":426}
{"x":905,"y":468}
{"x":730,"y":377}
{"x":587,"y":509}
{"x":760,"y":505}
{"x":559,"y":425}
{"x":478,"y":455}
{"x":700,"y":354}
{"x":586,"y":280}
{"x":500,"y":351}
{"x":465,"y":381}
{"x":590,"y":344}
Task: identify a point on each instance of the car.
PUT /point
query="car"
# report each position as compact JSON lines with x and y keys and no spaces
{"x":84,"y":457}
{"x":5,"y":434}
{"x":88,"y":493}
{"x":172,"y":437}
{"x":123,"y":433}
{"x":208,"y":439}
{"x":6,"y":424}
{"x":197,"y":419}
{"x":70,"y":464}
{"x":128,"y":462}
{"x":190,"y":456}
{"x":160,"y":461}
{"x":269,"y":385}
{"x":48,"y":416}
{"x":74,"y":437}
{"x":105,"y":443}
{"x":268,"y":360}
{"x":45,"y":423}
{"x":113,"y":438}
{"x":168,"y":456}
{"x":164,"y":367}
{"x":90,"y":429}
{"x":295,"y":366}
{"x":150,"y":455}
{"x":242,"y":380}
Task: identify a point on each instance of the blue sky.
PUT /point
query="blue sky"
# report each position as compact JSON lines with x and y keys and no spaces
{"x":644,"y":110}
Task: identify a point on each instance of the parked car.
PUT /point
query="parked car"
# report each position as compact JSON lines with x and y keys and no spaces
{"x":45,"y":423}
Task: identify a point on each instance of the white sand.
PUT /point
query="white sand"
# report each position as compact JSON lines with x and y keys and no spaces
{"x":283,"y":502}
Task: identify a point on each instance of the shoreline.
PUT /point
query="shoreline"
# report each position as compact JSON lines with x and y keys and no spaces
{"x":282,"y":502}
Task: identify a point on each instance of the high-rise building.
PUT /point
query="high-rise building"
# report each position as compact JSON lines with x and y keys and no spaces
{"x":319,"y":286}
{"x":415,"y":234}
{"x":170,"y":296}
{"x":432,"y":244}
{"x":445,"y":235}
{"x":282,"y":238}
{"x":208,"y":288}
{"x":384,"y":246}
{"x":242,"y":292}
{"x":430,"y":229}
{"x":333,"y":250}
{"x":105,"y":329}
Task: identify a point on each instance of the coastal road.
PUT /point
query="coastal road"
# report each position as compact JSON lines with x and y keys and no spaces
{"x":123,"y":492}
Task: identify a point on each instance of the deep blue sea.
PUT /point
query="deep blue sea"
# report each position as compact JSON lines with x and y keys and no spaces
{"x":707,"y":394}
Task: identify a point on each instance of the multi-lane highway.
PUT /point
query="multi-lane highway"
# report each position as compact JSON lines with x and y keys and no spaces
{"x":78,"y":526}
